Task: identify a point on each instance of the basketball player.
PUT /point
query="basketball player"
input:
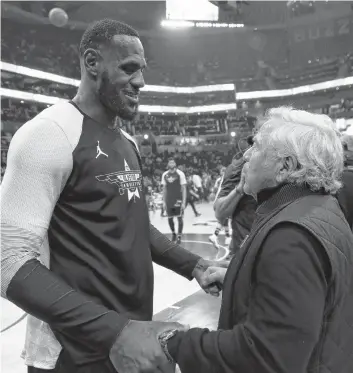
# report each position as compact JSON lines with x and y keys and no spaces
{"x":174,"y":197}
{"x":225,"y":225}
{"x":77,"y":245}
{"x":191,"y":195}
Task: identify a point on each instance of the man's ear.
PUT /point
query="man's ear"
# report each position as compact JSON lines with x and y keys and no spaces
{"x":289,"y":164}
{"x":91,"y":60}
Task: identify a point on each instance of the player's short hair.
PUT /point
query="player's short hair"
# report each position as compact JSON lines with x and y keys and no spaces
{"x":171,"y":159}
{"x":102,"y":32}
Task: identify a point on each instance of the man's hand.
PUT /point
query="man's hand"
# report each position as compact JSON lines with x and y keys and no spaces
{"x":182,"y":208}
{"x":202,"y":276}
{"x":240,"y":187}
{"x":137,"y":349}
{"x":215,"y":275}
{"x":211,"y":281}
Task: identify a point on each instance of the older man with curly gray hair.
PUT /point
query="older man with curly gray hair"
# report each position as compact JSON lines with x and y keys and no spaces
{"x":288,"y":299}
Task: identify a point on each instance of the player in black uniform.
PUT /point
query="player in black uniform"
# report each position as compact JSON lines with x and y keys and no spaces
{"x":191,"y":195}
{"x":174,"y":197}
{"x":77,"y":245}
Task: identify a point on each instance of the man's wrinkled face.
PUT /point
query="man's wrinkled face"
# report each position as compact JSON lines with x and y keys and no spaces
{"x":260,"y":169}
{"x":120,"y":76}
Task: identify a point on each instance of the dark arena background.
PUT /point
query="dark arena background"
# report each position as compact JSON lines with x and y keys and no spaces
{"x":213,"y":69}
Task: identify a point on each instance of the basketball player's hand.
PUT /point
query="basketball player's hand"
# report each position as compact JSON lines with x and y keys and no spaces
{"x":183,"y":206}
{"x":201,"y":274}
{"x":138,"y":350}
{"x":215,"y":275}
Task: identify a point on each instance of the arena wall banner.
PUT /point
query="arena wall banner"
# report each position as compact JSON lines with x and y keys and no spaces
{"x":331,"y":37}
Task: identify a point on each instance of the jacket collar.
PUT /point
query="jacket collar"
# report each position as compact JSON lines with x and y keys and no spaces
{"x":270,"y":199}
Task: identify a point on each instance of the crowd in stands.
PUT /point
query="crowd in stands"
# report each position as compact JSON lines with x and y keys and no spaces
{"x":37,"y":86}
{"x":204,"y":164}
{"x":19,"y":112}
{"x":47,"y":88}
{"x":56,"y":50}
{"x":5,"y":143}
{"x":252,"y":67}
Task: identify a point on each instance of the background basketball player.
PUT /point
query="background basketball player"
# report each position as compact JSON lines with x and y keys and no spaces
{"x":174,"y":197}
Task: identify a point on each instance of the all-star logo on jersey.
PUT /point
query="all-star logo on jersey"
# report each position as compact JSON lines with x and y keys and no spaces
{"x":170,"y":178}
{"x":130,"y":180}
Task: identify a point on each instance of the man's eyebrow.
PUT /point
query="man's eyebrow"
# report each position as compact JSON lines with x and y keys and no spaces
{"x":133,"y":61}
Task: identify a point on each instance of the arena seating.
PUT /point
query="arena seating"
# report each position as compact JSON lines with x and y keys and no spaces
{"x":252,"y":62}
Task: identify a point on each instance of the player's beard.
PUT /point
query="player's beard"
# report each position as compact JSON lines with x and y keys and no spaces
{"x":114,"y":99}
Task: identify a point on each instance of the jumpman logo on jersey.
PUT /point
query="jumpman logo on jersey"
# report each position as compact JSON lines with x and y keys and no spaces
{"x":99,"y":151}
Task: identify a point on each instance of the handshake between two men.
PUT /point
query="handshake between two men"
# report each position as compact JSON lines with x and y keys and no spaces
{"x":138,"y":348}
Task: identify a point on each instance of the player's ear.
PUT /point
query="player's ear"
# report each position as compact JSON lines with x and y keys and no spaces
{"x":91,"y":61}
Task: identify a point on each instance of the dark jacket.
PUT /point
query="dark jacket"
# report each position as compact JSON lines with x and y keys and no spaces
{"x":345,"y":196}
{"x":288,"y":301}
{"x":244,"y":214}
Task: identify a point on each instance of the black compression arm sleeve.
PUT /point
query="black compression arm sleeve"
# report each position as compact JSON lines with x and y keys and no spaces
{"x":44,"y":295}
{"x":170,"y":255}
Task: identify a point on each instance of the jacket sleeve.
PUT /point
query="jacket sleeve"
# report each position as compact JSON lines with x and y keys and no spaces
{"x":39,"y":164}
{"x":170,"y":255}
{"x":345,"y":196}
{"x":231,"y":178}
{"x":283,"y":323}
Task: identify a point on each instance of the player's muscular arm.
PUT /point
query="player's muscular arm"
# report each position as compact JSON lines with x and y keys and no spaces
{"x":164,"y":190}
{"x":183,"y":193}
{"x":39,"y":164}
{"x":183,"y":187}
{"x":164,"y":195}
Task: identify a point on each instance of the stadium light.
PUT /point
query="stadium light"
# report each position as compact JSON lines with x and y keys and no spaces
{"x":189,"y":24}
{"x":177,"y":24}
{"x":240,"y":96}
{"x":218,"y":25}
{"x":34,"y":97}
{"x":22,"y":70}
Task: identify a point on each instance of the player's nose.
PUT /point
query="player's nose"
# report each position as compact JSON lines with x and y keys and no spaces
{"x":138,"y":81}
